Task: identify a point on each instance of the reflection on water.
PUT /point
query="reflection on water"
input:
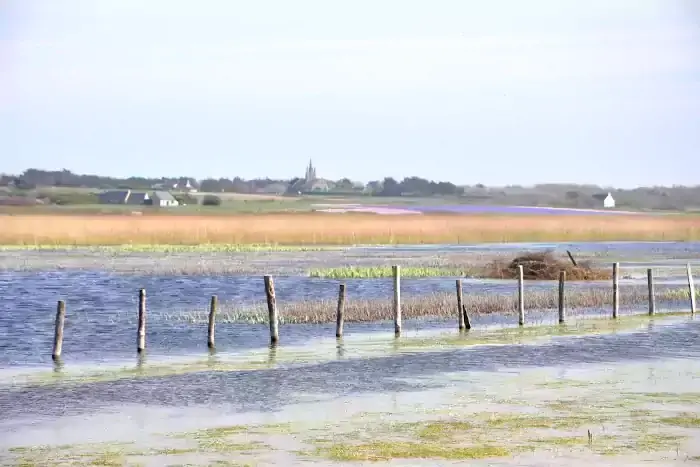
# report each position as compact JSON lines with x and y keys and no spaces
{"x":621,"y":401}
{"x":271,"y":389}
{"x":340,"y":388}
{"x":101,"y":313}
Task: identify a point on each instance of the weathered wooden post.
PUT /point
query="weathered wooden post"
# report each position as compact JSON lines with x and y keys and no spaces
{"x":141,"y":333}
{"x":213,"y":305}
{"x":616,"y":290}
{"x":650,"y":283}
{"x":460,"y":306}
{"x":467,"y":321}
{"x":396,"y":270}
{"x":562,"y":283}
{"x":272,"y":309}
{"x":521,"y":296}
{"x":465,"y":313}
{"x":340,"y":316}
{"x":691,"y":289}
{"x":58,"y":331}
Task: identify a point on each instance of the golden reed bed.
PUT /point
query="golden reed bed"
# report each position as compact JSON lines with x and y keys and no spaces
{"x":335,"y":229}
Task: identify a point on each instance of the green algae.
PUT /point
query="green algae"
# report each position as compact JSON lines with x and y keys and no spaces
{"x":683,"y":420}
{"x":522,"y":422}
{"x":438,"y":430}
{"x":388,"y":450}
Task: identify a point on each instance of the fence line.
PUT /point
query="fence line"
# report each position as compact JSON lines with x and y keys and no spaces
{"x":463,"y":320}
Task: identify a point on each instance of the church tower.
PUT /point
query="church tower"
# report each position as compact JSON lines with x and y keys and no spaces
{"x":310,"y":173}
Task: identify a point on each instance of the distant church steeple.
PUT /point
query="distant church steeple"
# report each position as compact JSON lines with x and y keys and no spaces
{"x":310,"y":172}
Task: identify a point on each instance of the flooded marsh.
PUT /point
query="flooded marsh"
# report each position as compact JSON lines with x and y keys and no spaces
{"x":593,"y":390}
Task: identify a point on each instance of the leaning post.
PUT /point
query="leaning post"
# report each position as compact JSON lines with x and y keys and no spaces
{"x":616,"y":290}
{"x":340,"y":312}
{"x":521,"y":296}
{"x":58,"y":331}
{"x":141,"y":332}
{"x":650,"y":284}
{"x":272,"y":309}
{"x":691,"y":289}
{"x":213,"y":305}
{"x":396,"y":270}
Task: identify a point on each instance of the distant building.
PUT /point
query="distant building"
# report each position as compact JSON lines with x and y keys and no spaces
{"x":609,"y":202}
{"x":274,"y":189}
{"x":114,"y":196}
{"x":310,"y":175}
{"x":158,"y":198}
{"x":187,"y":187}
{"x":311,"y":182}
{"x":163,"y":199}
{"x":138,"y":198}
{"x":318,"y":185}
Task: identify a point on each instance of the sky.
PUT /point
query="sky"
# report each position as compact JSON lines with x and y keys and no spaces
{"x":499,"y":92}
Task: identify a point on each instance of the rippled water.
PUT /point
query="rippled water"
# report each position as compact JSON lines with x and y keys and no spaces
{"x":368,"y":369}
{"x":102,"y":310}
{"x":273,"y":388}
{"x":101,"y":305}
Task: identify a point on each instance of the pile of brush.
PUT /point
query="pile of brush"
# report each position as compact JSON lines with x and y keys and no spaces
{"x":545,"y":266}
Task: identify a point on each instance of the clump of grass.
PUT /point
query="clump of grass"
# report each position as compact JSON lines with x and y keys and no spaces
{"x":680,"y":294}
{"x":684,"y":420}
{"x":387,"y":450}
{"x":442,"y":429}
{"x":375,"y":272}
{"x":521,"y":421}
{"x":438,"y":305}
{"x":348,"y":229}
{"x":112,"y":454}
{"x":650,"y":442}
{"x":544,"y":266}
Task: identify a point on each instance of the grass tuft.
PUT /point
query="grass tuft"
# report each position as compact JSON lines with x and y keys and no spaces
{"x":685,"y":420}
{"x":376,"y":272}
{"x":438,"y":305}
{"x":385,"y":450}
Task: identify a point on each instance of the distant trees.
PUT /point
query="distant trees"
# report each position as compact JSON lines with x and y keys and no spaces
{"x":31,"y":183}
{"x":416,"y":186}
{"x":211,"y":200}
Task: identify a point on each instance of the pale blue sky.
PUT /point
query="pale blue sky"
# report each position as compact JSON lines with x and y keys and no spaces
{"x":490,"y":91}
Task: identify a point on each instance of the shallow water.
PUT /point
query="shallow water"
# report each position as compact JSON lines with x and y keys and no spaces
{"x":102,"y":310}
{"x":344,"y":398}
{"x":323,"y":386}
{"x":101,"y":305}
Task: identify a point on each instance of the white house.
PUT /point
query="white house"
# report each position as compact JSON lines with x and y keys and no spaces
{"x":163,"y":199}
{"x":609,"y":202}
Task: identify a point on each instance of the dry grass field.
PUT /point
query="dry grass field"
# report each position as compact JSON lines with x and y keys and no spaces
{"x":309,"y":229}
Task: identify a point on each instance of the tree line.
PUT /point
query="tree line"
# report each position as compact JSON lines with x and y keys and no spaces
{"x":33,"y":178}
{"x":674,"y":198}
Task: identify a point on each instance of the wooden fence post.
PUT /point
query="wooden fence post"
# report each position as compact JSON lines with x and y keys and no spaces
{"x":562,"y":283}
{"x":340,"y":316}
{"x":213,"y":305}
{"x":58,"y":331}
{"x":460,"y":306}
{"x":616,"y":290}
{"x":691,"y":289}
{"x":141,"y":332}
{"x":272,"y":309}
{"x":650,"y":284}
{"x":521,"y":296}
{"x":397,"y":299}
